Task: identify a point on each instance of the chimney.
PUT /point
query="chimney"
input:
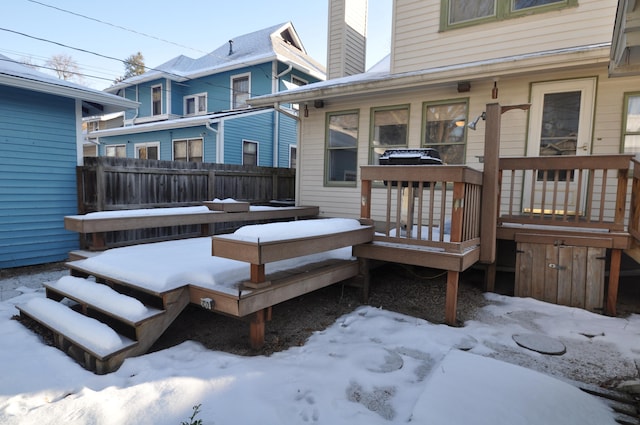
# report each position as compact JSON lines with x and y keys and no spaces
{"x":346,"y":38}
{"x":230,"y":47}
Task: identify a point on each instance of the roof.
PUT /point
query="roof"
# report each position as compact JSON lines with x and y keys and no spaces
{"x":194,"y":121}
{"x":379,"y":79}
{"x":15,"y":74}
{"x":278,"y":42}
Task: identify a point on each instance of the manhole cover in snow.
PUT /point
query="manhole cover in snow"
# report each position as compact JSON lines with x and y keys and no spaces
{"x":540,"y":343}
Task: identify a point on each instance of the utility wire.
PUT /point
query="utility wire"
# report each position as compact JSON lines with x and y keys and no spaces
{"x":115,"y":26}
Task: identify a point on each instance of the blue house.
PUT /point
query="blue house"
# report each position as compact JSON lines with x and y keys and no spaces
{"x":196,"y":109}
{"x":40,"y":146}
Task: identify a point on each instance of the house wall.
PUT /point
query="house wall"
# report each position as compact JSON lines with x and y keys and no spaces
{"x":255,"y":128}
{"x":37,"y":175}
{"x":341,"y":201}
{"x":418,"y":43}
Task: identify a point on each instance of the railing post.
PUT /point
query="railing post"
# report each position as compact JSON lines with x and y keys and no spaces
{"x":489,"y":214}
{"x":365,"y":199}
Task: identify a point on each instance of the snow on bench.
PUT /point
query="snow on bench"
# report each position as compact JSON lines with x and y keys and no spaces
{"x":84,"y":331}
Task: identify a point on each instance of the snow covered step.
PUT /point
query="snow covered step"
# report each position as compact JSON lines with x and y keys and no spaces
{"x":72,"y":328}
{"x":101,"y":298}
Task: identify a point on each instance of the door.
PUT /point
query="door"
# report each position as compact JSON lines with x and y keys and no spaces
{"x":561,"y":118}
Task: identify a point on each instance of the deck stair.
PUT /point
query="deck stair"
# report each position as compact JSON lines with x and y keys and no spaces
{"x":100,"y":325}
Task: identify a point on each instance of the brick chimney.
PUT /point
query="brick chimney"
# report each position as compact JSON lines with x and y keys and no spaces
{"x":346,"y":38}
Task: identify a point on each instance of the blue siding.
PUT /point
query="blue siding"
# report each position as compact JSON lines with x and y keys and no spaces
{"x":166,"y":141}
{"x":256,"y":128}
{"x":37,"y":177}
{"x":288,"y":136}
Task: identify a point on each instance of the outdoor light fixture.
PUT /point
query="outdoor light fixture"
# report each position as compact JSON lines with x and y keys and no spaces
{"x":494,"y":90}
{"x":472,"y":125}
{"x":306,"y":111}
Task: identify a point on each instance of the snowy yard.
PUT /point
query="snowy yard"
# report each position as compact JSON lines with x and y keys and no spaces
{"x":370,"y":367}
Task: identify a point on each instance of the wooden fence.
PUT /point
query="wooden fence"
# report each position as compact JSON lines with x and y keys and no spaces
{"x":111,"y":184}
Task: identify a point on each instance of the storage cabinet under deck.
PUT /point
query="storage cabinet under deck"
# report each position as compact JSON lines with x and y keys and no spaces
{"x":559,"y":273}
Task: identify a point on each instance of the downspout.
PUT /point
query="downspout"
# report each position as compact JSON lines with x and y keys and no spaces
{"x":207,"y":125}
{"x":276,"y":118}
{"x":215,"y":131}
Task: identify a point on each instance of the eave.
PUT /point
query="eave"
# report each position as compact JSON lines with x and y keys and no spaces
{"x":625,"y":50}
{"x":378,"y":83}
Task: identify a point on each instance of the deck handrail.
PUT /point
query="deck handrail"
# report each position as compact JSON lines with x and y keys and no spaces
{"x":442,"y":196}
{"x":556,"y":203}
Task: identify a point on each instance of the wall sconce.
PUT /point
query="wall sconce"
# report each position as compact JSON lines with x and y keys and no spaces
{"x":472,"y":125}
{"x":306,"y":111}
{"x":494,"y":90}
{"x":464,"y":86}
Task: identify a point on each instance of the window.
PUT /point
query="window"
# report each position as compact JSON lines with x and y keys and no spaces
{"x":249,"y":153}
{"x":118,"y":151}
{"x":195,"y":104}
{"x":390,"y":129}
{"x":240,"y":89}
{"x":150,"y":150}
{"x":293,"y":156}
{"x":445,"y":129}
{"x":188,"y":150}
{"x":457,"y":13}
{"x":156,"y":100}
{"x":342,"y":148}
{"x":631,"y":128}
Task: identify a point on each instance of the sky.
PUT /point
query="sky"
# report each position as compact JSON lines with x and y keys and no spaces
{"x":107,"y":33}
{"x":371,"y":366}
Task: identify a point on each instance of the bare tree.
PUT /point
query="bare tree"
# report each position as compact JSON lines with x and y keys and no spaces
{"x":65,"y":67}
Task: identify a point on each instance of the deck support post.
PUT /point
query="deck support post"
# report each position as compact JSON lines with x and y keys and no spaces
{"x":256,"y":329}
{"x":490,"y":277}
{"x":614,"y":278}
{"x":451,"y":302}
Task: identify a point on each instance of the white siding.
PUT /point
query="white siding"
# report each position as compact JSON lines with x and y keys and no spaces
{"x":346,"y":45}
{"x":419,"y":44}
{"x":345,"y":202}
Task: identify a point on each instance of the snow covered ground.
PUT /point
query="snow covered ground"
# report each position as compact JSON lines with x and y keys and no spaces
{"x":370,"y":367}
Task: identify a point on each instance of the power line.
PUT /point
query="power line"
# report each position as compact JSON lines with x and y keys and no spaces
{"x":115,"y":26}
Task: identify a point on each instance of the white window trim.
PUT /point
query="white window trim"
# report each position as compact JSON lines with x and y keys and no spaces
{"x":187,"y":139}
{"x":116,"y":146}
{"x":161,"y":102}
{"x":137,"y":146}
{"x":234,"y":77}
{"x":197,"y":105}
{"x":291,"y":147}
{"x":257,"y":150}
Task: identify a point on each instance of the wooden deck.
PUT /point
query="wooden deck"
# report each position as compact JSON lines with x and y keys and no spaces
{"x":431,"y":219}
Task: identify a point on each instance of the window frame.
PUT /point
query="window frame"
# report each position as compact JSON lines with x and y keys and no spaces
{"x":246,"y":142}
{"x":423,"y":136}
{"x":625,"y":119}
{"x":372,"y":125}
{"x":137,"y":146}
{"x":153,"y":102}
{"x":293,"y":156}
{"x":328,"y":149}
{"x":196,"y":103}
{"x":503,"y":10}
{"x":116,"y":147}
{"x":233,"y":78}
{"x":188,"y":141}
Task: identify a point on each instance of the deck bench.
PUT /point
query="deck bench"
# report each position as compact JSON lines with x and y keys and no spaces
{"x":98,"y":224}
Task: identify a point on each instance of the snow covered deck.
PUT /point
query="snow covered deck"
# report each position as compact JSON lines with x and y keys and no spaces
{"x":292,"y":258}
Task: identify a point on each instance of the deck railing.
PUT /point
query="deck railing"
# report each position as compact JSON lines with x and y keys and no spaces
{"x":589,"y":192}
{"x":427,"y":205}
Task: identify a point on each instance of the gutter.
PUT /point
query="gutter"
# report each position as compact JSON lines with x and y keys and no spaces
{"x":374,"y":83}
